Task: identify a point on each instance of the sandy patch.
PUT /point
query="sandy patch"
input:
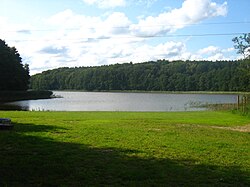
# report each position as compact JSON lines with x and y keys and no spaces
{"x":245,"y":128}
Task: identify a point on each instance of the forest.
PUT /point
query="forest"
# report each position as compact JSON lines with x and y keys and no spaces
{"x":161,"y":75}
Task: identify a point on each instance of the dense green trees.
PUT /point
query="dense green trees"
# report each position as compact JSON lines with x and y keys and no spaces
{"x":13,"y":74}
{"x":157,"y":76}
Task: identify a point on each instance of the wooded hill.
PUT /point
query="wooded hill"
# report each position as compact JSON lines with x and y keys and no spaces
{"x":161,"y":75}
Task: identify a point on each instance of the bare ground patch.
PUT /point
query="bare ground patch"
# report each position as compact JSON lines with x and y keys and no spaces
{"x":245,"y":128}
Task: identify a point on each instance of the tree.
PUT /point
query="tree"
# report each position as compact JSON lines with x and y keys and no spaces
{"x":13,"y":74}
{"x":242,"y":44}
{"x":160,"y":76}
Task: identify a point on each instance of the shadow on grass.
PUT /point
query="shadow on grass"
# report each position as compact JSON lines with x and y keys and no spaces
{"x":27,"y":160}
{"x":28,"y":127}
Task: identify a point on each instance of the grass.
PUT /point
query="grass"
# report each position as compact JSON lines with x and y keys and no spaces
{"x":125,"y":149}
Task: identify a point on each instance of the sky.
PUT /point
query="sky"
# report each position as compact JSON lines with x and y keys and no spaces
{"x":71,"y":33}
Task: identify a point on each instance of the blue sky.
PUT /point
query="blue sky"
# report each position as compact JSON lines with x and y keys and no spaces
{"x":67,"y":33}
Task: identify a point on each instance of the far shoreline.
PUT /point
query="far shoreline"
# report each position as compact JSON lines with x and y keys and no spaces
{"x":160,"y":92}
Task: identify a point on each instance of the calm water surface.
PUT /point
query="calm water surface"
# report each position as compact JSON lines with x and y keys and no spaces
{"x":108,"y":101}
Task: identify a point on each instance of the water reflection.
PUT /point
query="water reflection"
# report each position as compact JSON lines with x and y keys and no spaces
{"x":107,"y":101}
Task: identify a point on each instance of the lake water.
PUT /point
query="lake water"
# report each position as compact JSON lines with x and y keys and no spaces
{"x":108,"y":101}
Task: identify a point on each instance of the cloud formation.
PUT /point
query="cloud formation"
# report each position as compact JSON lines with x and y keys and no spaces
{"x":54,"y":50}
{"x":191,"y":12}
{"x":79,"y":40}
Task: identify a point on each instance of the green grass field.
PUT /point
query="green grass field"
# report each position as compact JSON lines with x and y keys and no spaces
{"x":125,"y":149}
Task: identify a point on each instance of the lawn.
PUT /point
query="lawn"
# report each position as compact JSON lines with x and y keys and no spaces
{"x":210,"y":148}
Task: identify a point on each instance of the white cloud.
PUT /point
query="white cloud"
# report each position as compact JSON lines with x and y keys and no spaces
{"x":231,"y":49}
{"x":117,"y":23}
{"x":214,"y":53}
{"x":217,"y":56}
{"x":9,"y":30}
{"x":209,"y":50}
{"x":3,"y":21}
{"x":67,"y":19}
{"x":106,"y":3}
{"x":213,"y":50}
{"x":192,"y":11}
{"x":197,"y":10}
{"x":169,"y":50}
{"x":72,"y":39}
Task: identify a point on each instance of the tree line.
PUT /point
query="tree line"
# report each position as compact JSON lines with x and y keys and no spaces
{"x":14,"y":75}
{"x":161,"y":75}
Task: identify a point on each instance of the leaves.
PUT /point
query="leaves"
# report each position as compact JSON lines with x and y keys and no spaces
{"x":242,"y":44}
{"x":13,"y":74}
{"x":149,"y":76}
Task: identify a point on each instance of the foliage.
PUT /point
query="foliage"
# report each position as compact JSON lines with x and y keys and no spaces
{"x":150,"y":76}
{"x":242,"y":44}
{"x":13,"y":74}
{"x":125,"y":149}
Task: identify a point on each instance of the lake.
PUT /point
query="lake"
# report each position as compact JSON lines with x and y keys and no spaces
{"x":114,"y":101}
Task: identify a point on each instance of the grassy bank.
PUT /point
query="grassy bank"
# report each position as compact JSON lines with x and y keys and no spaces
{"x":125,"y":149}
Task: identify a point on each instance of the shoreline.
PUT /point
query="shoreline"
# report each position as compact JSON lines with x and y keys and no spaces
{"x":160,"y":92}
{"x":9,"y":96}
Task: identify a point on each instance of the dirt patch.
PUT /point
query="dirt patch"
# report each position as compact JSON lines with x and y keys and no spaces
{"x":245,"y":128}
{"x":155,"y":129}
